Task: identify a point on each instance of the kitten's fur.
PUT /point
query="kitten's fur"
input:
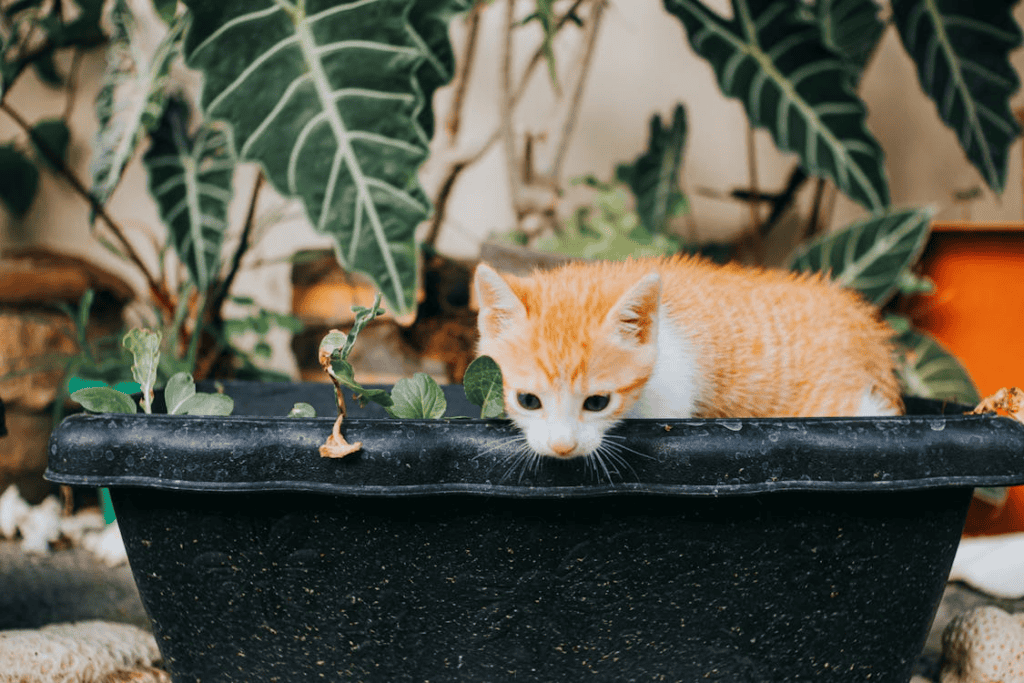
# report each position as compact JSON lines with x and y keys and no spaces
{"x":677,"y":337}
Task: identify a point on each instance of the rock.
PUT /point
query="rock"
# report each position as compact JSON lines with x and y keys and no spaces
{"x":40,"y":526}
{"x":983,"y":645}
{"x":83,"y":652}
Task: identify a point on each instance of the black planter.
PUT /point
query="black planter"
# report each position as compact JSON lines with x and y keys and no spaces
{"x":732,"y":550}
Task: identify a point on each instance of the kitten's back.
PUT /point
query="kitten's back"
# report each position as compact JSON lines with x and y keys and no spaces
{"x":765,"y":342}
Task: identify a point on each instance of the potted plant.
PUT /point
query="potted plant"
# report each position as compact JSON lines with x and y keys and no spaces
{"x":421,"y":555}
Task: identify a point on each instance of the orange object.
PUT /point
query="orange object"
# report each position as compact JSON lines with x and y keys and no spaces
{"x":977,"y":313}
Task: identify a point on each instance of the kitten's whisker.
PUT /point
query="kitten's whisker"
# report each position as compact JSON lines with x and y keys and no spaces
{"x":618,"y":439}
{"x":597,"y":457}
{"x":614,"y":456}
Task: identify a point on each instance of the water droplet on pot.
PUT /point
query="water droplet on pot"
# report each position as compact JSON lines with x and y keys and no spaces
{"x":109,"y":454}
{"x":937,"y":425}
{"x":732,"y":425}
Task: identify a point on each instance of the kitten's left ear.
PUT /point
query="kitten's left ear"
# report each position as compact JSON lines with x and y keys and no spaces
{"x":633,"y":318}
{"x":500,"y":308}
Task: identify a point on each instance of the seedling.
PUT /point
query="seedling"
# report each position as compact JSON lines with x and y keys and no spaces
{"x":418,"y":397}
{"x":180,"y":393}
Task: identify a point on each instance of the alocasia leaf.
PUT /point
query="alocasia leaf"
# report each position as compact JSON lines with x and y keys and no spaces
{"x":930,"y":371}
{"x":771,"y":58}
{"x":962,"y":54}
{"x":654,"y":175}
{"x":132,"y":97}
{"x":190,"y":178}
{"x":871,"y":254}
{"x":327,"y":97}
{"x":419,"y":397}
{"x":851,"y":28}
{"x":21,"y":180}
{"x":428,"y":28}
{"x":55,"y":135}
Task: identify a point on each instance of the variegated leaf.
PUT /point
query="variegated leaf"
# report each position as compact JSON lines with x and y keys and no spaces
{"x":654,"y":175}
{"x":775,"y":61}
{"x":869,"y":255}
{"x":850,"y":28}
{"x":327,"y":96}
{"x":930,"y":371}
{"x":962,"y":55}
{"x":428,"y":28}
{"x":132,"y":97}
{"x":190,"y":178}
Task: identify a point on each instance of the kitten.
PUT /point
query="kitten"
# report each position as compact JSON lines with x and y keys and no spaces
{"x":587,"y":344}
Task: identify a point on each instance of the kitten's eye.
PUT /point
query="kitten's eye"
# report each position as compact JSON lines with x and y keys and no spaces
{"x":596,"y":403}
{"x":528,"y":401}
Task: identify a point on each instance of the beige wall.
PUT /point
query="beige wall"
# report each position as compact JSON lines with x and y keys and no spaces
{"x":644,"y":64}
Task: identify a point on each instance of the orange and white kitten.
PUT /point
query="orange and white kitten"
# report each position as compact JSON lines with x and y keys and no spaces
{"x":587,"y":344}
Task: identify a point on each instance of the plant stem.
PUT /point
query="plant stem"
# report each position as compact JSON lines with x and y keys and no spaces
{"x":454,"y":120}
{"x":505,"y":126}
{"x":814,"y":221}
{"x":58,"y":164}
{"x":243,"y":246}
{"x":572,"y":113}
{"x":456,"y":168}
{"x":755,"y":214}
{"x":72,"y":83}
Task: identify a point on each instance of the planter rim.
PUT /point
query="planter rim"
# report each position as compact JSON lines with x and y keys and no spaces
{"x":400,"y":458}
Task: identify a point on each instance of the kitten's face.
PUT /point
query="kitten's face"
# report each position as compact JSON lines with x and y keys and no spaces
{"x":572,"y":363}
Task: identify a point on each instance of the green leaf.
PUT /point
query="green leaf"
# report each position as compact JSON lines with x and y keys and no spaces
{"x":178,"y":390}
{"x":104,"y":400}
{"x":207,"y":404}
{"x":611,"y":230}
{"x":302,"y":410}
{"x":329,"y":102}
{"x":419,"y":397}
{"x":930,"y":371}
{"x":482,"y":383}
{"x":144,"y":346}
{"x":55,"y":135}
{"x":850,"y":28}
{"x":545,"y":16}
{"x":343,"y":372}
{"x":428,"y":29}
{"x":900,"y":324}
{"x":131,"y":99}
{"x":869,"y":255}
{"x":21,"y":179}
{"x":911,"y":283}
{"x":776,"y":62}
{"x":46,"y":69}
{"x":654,"y":175}
{"x":962,"y":54}
{"x":166,"y":9}
{"x":363,"y":317}
{"x":190,"y":178}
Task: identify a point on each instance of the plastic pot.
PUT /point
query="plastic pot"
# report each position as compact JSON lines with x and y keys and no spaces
{"x":732,"y":550}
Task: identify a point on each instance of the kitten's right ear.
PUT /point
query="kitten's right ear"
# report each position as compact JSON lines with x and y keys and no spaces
{"x":500,"y":308}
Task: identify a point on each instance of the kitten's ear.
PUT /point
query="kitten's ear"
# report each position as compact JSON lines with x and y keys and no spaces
{"x":634,"y":317}
{"x":500,"y":308}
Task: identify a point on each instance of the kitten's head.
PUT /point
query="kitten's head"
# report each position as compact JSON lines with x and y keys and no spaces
{"x":575,"y":350}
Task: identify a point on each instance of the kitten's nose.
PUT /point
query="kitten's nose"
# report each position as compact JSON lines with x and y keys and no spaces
{"x":563,"y":447}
